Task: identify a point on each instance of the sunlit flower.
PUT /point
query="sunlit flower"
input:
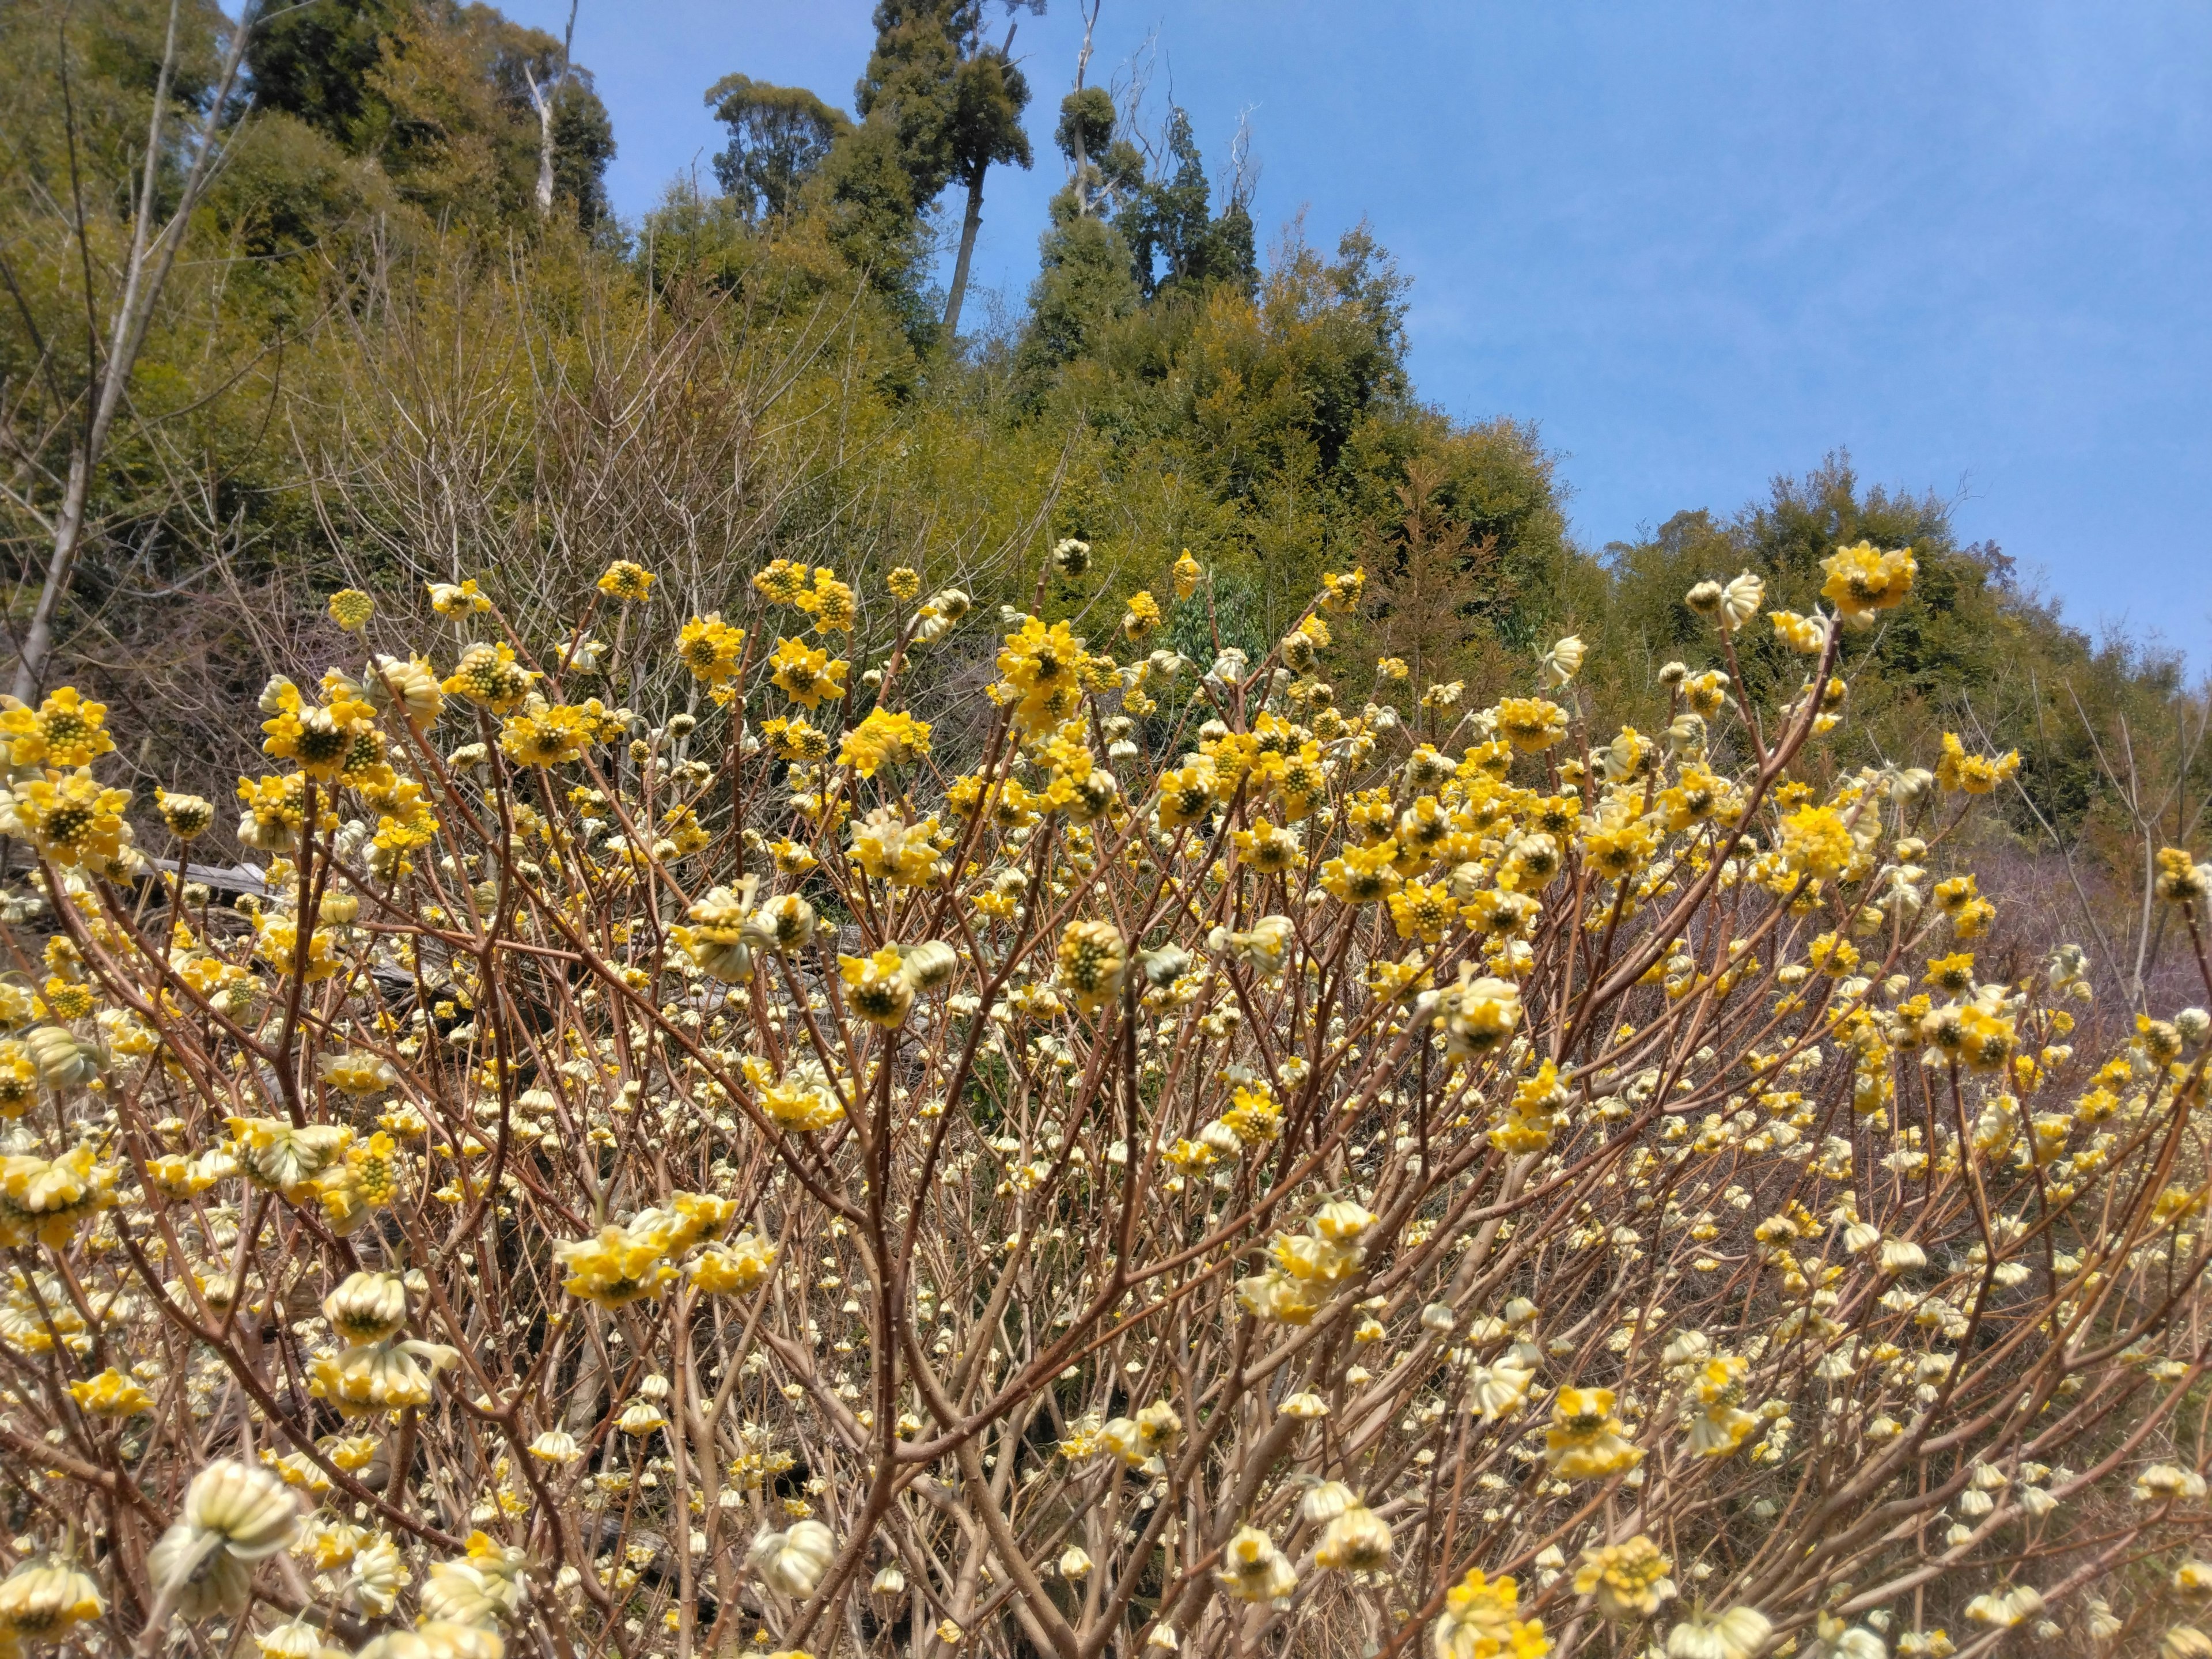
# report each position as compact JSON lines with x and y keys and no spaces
{"x":806,"y":676}
{"x":626,"y":582}
{"x":1584,"y":1441}
{"x":235,"y":1516}
{"x":460,"y":598}
{"x":64,"y":730}
{"x":1862,"y":582}
{"x":1628,"y":1580}
{"x":793,"y":1561}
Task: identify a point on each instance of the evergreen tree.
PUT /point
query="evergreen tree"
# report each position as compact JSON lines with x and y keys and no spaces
{"x":444,"y":96}
{"x":1174,"y":239}
{"x":583,"y":144}
{"x":989,"y":94}
{"x":1087,"y":280}
{"x":779,"y":138}
{"x":314,"y":62}
{"x":910,"y":89}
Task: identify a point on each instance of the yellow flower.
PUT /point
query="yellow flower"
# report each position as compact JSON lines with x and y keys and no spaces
{"x":1585,"y":1442}
{"x":321,"y":741}
{"x":1862,"y":582}
{"x":732,"y":1268}
{"x":710,"y":647}
{"x":1342,"y":593}
{"x":783,"y":581}
{"x":379,"y":1376}
{"x":45,"y":1197}
{"x":1360,"y":875}
{"x":1093,"y":962}
{"x":366,"y":1181}
{"x":1803,"y":634}
{"x":111,"y":1394}
{"x":19,"y":1078}
{"x":829,"y":603}
{"x":456,"y":598}
{"x":278,"y":941}
{"x":2180,"y":880}
{"x":1394,"y":668}
{"x":1531,"y":724}
{"x":613,"y":1268}
{"x":1537,"y":1112}
{"x":1141,"y":617}
{"x":350,"y":609}
{"x":889,"y":848}
{"x":187,"y":815}
{"x":625,"y":580}
{"x":802,"y":1101}
{"x":1422,"y":911}
{"x":489,"y":676}
{"x":806,"y":677}
{"x":64,"y":730}
{"x":66,"y":999}
{"x":274,"y":1154}
{"x":1478,"y":1622}
{"x":68,"y":815}
{"x":1815,"y":841}
{"x":903,"y":581}
{"x":1267,"y":849}
{"x":45,"y":1602}
{"x":1973,"y":774}
{"x":1477,"y":1014}
{"x":546,"y":736}
{"x":1187,"y":794}
{"x":1187,"y":576}
{"x":1629,"y":1580}
{"x":1619,"y":846}
{"x":878,"y":987}
{"x":1986,"y":1041}
{"x":1044,"y":668}
{"x":883,"y":739}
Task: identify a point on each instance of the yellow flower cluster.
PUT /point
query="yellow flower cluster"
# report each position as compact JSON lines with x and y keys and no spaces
{"x":1217,"y":1073}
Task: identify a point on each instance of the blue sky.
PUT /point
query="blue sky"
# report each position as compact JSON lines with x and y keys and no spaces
{"x":1698,"y":244}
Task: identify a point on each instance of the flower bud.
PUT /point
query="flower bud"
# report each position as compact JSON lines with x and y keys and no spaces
{"x":929,"y":964}
{"x":794,"y":1561}
{"x":367,"y":1307}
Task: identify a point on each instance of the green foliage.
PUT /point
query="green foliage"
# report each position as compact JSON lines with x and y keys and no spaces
{"x":1085,"y":286}
{"x":1174,"y":239}
{"x":779,"y":135}
{"x":1166,"y":389}
{"x":909,"y":88}
{"x":1086,"y":123}
{"x":1973,"y":652}
{"x":989,"y":94}
{"x":313,"y":63}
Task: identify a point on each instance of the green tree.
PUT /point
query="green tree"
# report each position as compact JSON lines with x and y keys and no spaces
{"x":909,"y":87}
{"x":864,"y":198}
{"x":454,"y":116}
{"x":779,"y":138}
{"x":583,"y":142}
{"x":313,"y":61}
{"x":1173,"y":239}
{"x":1085,"y":284}
{"x":989,"y":94}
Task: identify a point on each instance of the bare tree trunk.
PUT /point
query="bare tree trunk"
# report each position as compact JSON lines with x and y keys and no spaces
{"x":1082,"y":160}
{"x":541,"y":100}
{"x":968,"y":226}
{"x":147,"y":270}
